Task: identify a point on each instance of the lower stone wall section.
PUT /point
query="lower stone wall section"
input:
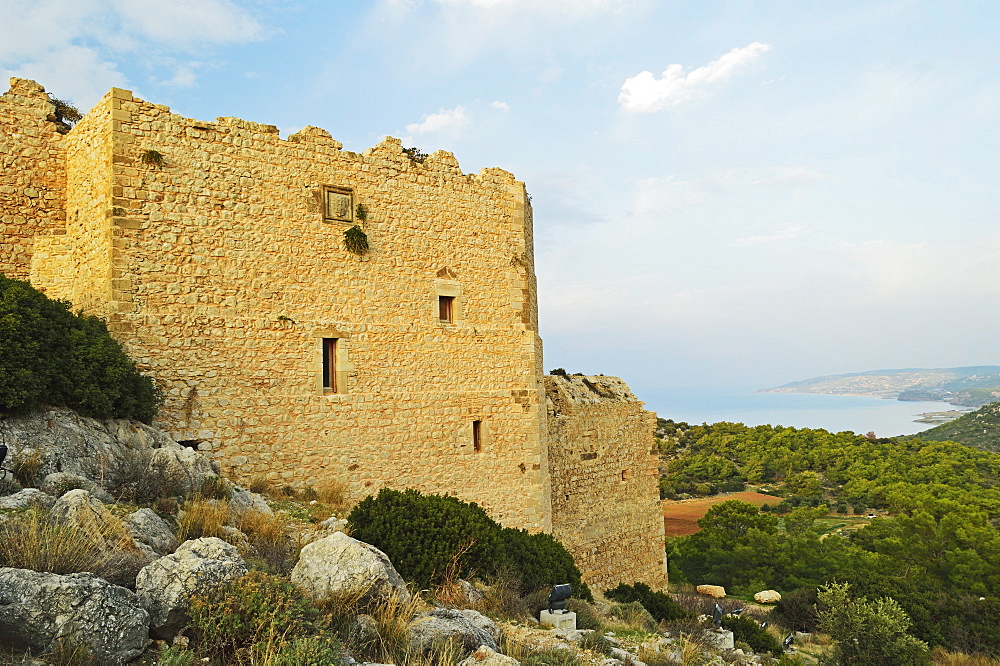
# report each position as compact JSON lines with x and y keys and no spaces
{"x":605,"y":495}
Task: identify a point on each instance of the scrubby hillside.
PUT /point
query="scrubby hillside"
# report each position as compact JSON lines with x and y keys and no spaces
{"x":980,"y":429}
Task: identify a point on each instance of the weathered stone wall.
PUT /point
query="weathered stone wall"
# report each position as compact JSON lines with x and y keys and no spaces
{"x":605,"y":496}
{"x":32,"y":174}
{"x":220,"y":274}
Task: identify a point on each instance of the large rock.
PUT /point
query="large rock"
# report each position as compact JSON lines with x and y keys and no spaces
{"x":37,"y":609}
{"x":120,"y":557}
{"x":484,"y":656}
{"x":59,"y":483}
{"x":339,"y":567}
{"x":151,"y":531}
{"x":767,"y":597}
{"x":467,"y":628}
{"x":165,"y":587}
{"x":716,"y":591}
{"x":27,"y":498}
{"x":243,"y":500}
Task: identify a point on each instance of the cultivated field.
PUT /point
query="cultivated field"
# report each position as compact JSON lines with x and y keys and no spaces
{"x":681,"y":517}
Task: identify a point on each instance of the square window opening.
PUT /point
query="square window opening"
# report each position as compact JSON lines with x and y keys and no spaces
{"x":446,"y":309}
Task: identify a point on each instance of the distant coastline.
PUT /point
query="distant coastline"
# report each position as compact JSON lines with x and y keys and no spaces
{"x":971,"y":386}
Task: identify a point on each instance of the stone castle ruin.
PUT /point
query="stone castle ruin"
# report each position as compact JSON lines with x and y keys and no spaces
{"x":215,"y":251}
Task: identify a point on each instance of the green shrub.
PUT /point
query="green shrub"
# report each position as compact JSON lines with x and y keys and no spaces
{"x":596,"y":642}
{"x":50,"y":356}
{"x":551,"y":657}
{"x":796,"y":610}
{"x":587,"y":616}
{"x":229,"y":624}
{"x":431,"y":538}
{"x":750,"y":632}
{"x":659,"y":605}
{"x":427,"y":536}
{"x":541,"y":561}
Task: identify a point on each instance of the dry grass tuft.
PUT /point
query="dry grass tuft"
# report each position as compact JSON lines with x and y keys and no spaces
{"x":202,"y":518}
{"x":261,"y":485}
{"x":268,"y":534}
{"x":941,"y":657}
{"x":334,"y":494}
{"x":35,"y":541}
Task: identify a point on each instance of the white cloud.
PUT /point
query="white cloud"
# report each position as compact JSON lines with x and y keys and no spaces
{"x":669,"y":194}
{"x":503,"y":106}
{"x":187,"y":21}
{"x":785,"y":234}
{"x":74,"y":73}
{"x":445,"y":119}
{"x":72,"y":47}
{"x":645,"y":93}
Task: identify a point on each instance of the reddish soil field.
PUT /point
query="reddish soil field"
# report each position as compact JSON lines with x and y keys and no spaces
{"x":681,"y":517}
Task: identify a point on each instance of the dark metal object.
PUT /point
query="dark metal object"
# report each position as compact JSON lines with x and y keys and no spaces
{"x":788,"y":640}
{"x":717,"y":616}
{"x":558,"y":597}
{"x":3,"y":456}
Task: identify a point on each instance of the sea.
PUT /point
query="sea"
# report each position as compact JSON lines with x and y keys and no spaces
{"x":836,"y":413}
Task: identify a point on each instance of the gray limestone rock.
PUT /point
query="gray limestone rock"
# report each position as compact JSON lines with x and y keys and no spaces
{"x":27,"y":498}
{"x":59,"y":483}
{"x":148,"y":529}
{"x":468,"y":628}
{"x":37,"y":609}
{"x":338,"y":566}
{"x":484,"y":656}
{"x":166,"y":585}
{"x":244,"y":500}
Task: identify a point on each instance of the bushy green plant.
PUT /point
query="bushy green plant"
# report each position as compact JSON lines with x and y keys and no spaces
{"x":427,"y":535}
{"x":231,"y":623}
{"x":50,"y":356}
{"x":659,"y":605}
{"x":596,"y":642}
{"x":430,"y":538}
{"x":541,"y":561}
{"x":750,"y":632}
{"x":796,"y":610}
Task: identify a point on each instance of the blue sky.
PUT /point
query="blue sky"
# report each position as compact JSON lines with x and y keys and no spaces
{"x":726,"y":193}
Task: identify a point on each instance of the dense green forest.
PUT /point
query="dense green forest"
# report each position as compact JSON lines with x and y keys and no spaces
{"x":935,"y":549}
{"x":980,"y":429}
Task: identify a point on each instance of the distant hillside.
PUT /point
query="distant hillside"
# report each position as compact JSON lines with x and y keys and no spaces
{"x":971,"y":386}
{"x":980,"y":429}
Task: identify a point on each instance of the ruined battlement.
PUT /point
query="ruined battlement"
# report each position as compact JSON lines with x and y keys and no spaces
{"x":216,"y":251}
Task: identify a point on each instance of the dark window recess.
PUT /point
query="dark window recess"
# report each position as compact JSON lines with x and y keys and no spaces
{"x":446,"y":308}
{"x":625,"y":475}
{"x":477,"y":436}
{"x":330,"y":364}
{"x":587,"y":456}
{"x":190,"y":443}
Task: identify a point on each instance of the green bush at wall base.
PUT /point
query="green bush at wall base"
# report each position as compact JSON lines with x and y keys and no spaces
{"x":659,"y":605}
{"x":431,"y":538}
{"x":50,"y":356}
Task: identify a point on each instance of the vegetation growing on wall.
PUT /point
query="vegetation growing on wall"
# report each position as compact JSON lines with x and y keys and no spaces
{"x":50,"y":356}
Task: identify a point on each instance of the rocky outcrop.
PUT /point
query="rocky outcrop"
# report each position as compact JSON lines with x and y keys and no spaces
{"x":767,"y":597}
{"x":165,"y":586}
{"x":340,"y":567}
{"x":469,"y":629}
{"x":38,"y":609}
{"x":102,"y":452}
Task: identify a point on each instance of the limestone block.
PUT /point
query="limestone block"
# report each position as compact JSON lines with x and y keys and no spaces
{"x":767,"y":597}
{"x":716,"y":591}
{"x":564,"y":620}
